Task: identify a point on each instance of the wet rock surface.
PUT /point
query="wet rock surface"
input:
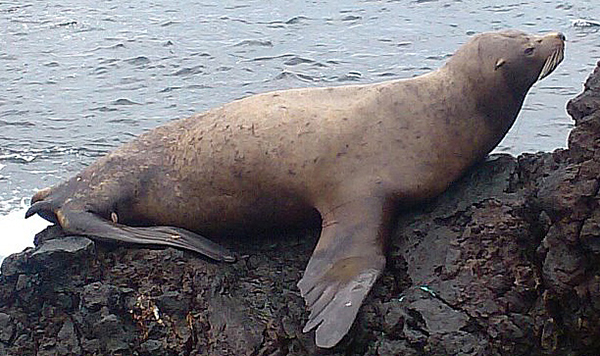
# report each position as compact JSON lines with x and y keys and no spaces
{"x":506,"y":262}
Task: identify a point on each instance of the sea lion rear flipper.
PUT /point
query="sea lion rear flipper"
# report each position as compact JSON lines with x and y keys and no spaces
{"x":89,"y":224}
{"x":344,"y":266}
{"x":44,"y":209}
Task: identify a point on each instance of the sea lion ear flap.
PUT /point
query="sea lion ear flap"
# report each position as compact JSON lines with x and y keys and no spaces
{"x":499,"y":63}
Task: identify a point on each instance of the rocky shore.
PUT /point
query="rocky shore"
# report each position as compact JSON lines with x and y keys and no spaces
{"x":507,"y":262}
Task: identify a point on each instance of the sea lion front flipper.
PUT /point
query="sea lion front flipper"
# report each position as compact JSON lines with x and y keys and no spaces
{"x":92,"y":225}
{"x":344,"y":266}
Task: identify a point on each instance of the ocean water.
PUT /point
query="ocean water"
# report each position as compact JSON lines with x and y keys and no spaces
{"x":79,"y":78}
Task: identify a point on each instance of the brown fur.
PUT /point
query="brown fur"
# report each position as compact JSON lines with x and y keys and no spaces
{"x":354,"y":153}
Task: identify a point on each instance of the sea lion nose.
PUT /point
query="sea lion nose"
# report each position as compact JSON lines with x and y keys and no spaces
{"x":561,"y":36}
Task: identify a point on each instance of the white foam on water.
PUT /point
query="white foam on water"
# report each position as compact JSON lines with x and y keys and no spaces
{"x":16,"y":233}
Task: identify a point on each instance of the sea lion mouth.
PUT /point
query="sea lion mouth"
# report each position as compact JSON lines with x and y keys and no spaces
{"x":552,"y":62}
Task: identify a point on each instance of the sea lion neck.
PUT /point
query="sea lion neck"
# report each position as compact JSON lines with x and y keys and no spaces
{"x":480,"y":76}
{"x":487,"y":88}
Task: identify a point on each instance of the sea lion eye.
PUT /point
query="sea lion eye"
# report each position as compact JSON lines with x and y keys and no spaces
{"x":529,"y":51}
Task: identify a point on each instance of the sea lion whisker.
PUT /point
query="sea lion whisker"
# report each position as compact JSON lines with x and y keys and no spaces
{"x":547,"y":65}
{"x":551,"y":63}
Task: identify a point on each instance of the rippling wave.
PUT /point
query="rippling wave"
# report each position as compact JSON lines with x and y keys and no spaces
{"x":79,"y":78}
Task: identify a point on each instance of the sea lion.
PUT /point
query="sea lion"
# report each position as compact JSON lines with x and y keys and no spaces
{"x":354,"y":153}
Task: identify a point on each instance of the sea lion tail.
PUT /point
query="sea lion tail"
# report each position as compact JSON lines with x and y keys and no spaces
{"x":47,"y":201}
{"x":41,"y":195}
{"x":77,"y":221}
{"x":43,"y":208}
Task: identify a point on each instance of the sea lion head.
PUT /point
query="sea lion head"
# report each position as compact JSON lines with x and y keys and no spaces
{"x":528,"y":58}
{"x":509,"y":60}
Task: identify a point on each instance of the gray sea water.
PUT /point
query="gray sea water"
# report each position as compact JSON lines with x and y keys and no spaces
{"x":80,"y":77}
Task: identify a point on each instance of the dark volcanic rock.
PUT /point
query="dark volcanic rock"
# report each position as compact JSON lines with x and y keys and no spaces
{"x":506,"y":262}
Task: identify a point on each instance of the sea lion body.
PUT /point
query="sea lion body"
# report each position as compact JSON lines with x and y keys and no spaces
{"x":233,"y":167}
{"x":354,"y":154}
